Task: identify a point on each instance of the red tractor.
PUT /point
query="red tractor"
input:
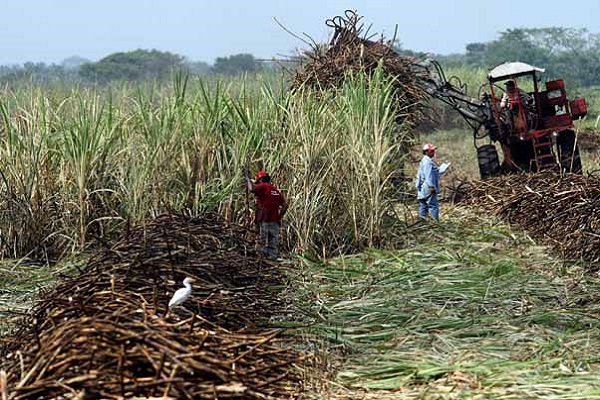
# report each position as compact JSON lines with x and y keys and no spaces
{"x":534,"y":126}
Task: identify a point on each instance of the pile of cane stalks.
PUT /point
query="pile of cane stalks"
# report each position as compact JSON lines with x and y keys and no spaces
{"x":561,"y":210}
{"x":351,"y":51}
{"x":108,"y":334}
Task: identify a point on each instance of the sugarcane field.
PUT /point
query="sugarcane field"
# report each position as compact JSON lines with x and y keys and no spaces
{"x":353,"y":221}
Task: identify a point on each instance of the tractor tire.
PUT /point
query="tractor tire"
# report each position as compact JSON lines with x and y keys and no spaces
{"x":568,"y":152}
{"x":487,"y":157}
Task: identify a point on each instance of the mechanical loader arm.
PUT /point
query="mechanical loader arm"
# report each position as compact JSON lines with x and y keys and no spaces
{"x":477,"y":112}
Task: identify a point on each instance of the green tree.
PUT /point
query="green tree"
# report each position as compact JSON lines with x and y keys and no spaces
{"x":476,"y":53}
{"x":516,"y":45}
{"x":37,"y":72}
{"x":199,"y":67}
{"x":236,"y":64}
{"x":73,"y":62}
{"x":133,"y":66}
{"x":565,"y":52}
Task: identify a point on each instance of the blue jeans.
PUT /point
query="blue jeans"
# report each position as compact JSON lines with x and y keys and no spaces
{"x":429,"y":204}
{"x":269,"y":239}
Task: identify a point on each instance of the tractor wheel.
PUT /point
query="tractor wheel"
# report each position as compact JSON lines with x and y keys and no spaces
{"x":487,"y":156}
{"x":568,"y":151}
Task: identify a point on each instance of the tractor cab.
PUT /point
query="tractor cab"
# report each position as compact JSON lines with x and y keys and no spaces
{"x":513,"y":87}
{"x":535,"y":122}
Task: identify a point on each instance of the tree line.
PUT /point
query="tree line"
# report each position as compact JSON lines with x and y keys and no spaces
{"x":573,"y":54}
{"x":564,"y":52}
{"x":134,"y":65}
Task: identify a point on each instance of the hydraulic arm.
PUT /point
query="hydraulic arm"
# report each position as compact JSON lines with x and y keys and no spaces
{"x":477,"y":112}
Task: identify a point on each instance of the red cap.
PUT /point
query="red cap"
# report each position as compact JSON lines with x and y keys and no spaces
{"x":428,"y":147}
{"x":261,"y":174}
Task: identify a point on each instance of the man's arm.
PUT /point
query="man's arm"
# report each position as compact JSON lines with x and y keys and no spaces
{"x":504,"y":100}
{"x":419,"y":178}
{"x":428,"y":174}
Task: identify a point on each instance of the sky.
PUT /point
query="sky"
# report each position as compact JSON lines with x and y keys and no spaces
{"x":51,"y":30}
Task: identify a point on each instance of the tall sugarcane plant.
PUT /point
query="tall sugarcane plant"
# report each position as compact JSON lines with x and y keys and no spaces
{"x":80,"y":162}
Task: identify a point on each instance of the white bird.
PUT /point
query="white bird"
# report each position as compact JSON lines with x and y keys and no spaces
{"x":182,"y":294}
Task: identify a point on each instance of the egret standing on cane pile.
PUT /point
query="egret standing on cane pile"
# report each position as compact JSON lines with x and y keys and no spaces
{"x":182,"y":294}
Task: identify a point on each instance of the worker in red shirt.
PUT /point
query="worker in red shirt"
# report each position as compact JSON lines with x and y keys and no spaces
{"x":270,"y":208}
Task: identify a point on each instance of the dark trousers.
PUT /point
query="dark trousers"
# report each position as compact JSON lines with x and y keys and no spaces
{"x":269,"y":239}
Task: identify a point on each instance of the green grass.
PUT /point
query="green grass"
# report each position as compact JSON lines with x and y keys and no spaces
{"x":469,"y":309}
{"x":592,"y":98}
{"x":22,"y":281}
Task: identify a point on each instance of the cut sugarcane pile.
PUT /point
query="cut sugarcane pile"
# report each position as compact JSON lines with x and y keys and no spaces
{"x":106,"y":333}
